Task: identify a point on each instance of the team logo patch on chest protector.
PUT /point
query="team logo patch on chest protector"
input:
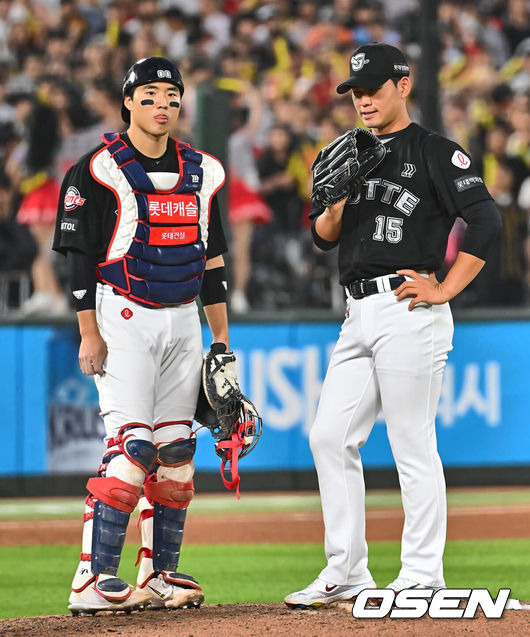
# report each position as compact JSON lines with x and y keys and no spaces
{"x":157,"y":253}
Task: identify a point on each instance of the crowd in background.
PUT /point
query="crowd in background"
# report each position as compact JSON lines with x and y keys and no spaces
{"x":61,"y":67}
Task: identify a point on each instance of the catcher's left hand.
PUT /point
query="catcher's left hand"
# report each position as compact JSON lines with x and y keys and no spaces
{"x":234,"y":411}
{"x":219,"y":376}
{"x":237,"y":424}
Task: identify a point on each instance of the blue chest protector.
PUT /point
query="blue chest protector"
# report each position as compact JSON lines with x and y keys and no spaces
{"x":157,"y":255}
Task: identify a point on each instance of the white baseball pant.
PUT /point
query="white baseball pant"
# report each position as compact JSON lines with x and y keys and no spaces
{"x":386,"y":357}
{"x":153,"y":368}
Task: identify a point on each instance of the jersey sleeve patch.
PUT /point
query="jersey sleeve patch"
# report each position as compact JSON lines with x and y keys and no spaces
{"x":460,"y":160}
{"x":73,"y":199}
{"x":467,"y":181}
{"x":69,"y":224}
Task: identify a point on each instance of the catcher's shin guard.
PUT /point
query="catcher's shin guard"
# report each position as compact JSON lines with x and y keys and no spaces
{"x":114,"y":500}
{"x":92,"y":591}
{"x":168,"y":529}
{"x":128,"y":459}
{"x":83,"y":575}
{"x":112,"y":497}
{"x":163,"y":589}
{"x":162,"y":517}
{"x":168,"y":540}
{"x":171,"y":495}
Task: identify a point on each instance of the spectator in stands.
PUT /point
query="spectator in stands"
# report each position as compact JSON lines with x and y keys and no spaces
{"x":520,"y":81}
{"x":516,"y":22}
{"x":104,"y":99}
{"x":504,"y":280}
{"x":456,"y":119}
{"x":31,"y":167}
{"x":496,"y":153}
{"x":93,"y":14}
{"x":78,"y":128}
{"x":280,"y":247}
{"x":246,"y":206}
{"x":294,"y":54}
{"x":519,"y":141}
{"x":216,"y":25}
{"x":95,"y":62}
{"x":17,"y":246}
{"x":494,"y":108}
{"x":278,"y":184}
{"x":172,"y":33}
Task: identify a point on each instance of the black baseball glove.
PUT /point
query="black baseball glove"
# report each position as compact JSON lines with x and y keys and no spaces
{"x":340,"y":168}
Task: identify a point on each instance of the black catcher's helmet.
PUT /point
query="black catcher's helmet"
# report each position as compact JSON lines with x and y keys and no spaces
{"x":149,"y":70}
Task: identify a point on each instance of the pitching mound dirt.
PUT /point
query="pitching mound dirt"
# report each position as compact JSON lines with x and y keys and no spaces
{"x":258,"y":620}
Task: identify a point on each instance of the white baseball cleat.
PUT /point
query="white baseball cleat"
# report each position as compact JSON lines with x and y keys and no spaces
{"x":106,"y":594}
{"x":172,"y":590}
{"x":319,"y":593}
{"x":403,"y":583}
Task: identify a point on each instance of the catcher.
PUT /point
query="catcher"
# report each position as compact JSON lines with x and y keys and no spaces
{"x":139,"y":222}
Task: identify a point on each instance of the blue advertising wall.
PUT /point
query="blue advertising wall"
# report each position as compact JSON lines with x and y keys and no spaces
{"x":51,"y":422}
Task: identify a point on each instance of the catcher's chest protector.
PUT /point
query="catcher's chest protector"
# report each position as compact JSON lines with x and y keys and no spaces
{"x":157,"y":253}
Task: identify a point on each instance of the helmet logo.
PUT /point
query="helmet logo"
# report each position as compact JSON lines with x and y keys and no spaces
{"x":164,"y":73}
{"x":358,"y":61}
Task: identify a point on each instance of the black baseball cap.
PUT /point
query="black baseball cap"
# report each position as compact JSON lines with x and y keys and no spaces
{"x":372,"y":65}
{"x":145,"y":71}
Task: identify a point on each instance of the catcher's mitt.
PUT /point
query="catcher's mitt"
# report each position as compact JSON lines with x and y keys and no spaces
{"x":340,"y":168}
{"x":237,"y":424}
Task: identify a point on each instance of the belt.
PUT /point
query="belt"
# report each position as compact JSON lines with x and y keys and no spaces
{"x":366,"y":287}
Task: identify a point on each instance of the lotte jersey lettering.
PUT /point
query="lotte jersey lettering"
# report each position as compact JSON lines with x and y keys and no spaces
{"x":405,"y":211}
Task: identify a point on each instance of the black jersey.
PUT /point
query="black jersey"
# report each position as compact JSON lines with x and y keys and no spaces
{"x":87,"y":210}
{"x":403,"y":216}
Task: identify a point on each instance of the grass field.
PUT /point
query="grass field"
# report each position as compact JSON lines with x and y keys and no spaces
{"x":253,"y":572}
{"x":35,"y":580}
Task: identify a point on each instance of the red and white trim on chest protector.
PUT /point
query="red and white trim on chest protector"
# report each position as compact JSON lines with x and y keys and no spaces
{"x":164,"y":207}
{"x":157,"y":253}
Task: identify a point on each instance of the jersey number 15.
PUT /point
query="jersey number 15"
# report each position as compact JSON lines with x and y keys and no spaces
{"x":389,"y":228}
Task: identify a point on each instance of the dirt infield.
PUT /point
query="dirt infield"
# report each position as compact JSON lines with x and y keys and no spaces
{"x":464,"y":523}
{"x":257,"y":620}
{"x":230,"y":620}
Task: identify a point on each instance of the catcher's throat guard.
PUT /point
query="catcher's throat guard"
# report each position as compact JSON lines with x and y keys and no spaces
{"x":229,"y":415}
{"x":246,"y":431}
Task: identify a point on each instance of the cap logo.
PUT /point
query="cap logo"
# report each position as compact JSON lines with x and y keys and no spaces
{"x":358,"y":61}
{"x":164,"y":73}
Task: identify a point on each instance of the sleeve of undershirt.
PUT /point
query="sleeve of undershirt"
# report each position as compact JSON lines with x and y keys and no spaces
{"x":484,"y":223}
{"x":82,"y":280}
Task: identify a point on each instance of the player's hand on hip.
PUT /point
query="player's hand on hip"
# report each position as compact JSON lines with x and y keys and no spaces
{"x":92,"y":354}
{"x":421,"y":289}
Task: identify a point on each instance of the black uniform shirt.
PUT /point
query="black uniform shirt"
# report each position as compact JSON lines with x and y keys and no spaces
{"x":407,"y":208}
{"x":86,"y":221}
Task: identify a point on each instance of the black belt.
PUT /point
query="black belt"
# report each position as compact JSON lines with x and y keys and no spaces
{"x":366,"y":287}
